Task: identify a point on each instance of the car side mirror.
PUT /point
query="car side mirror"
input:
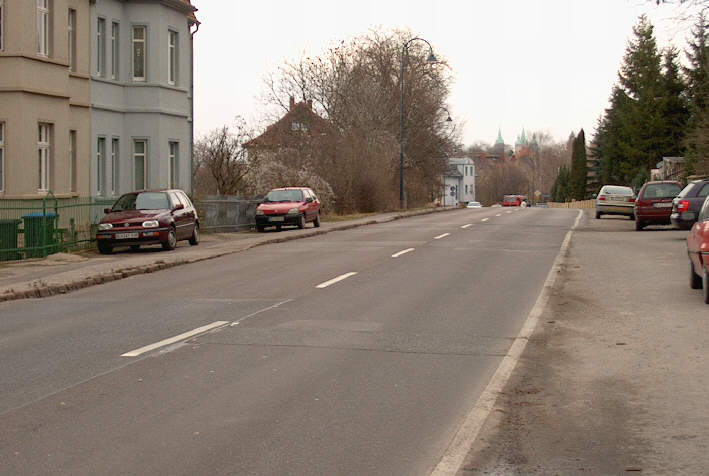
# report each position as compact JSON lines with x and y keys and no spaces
{"x":309,"y":200}
{"x":179,"y":206}
{"x":106,"y":210}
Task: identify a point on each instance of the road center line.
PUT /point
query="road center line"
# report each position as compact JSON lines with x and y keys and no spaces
{"x":499,"y":215}
{"x":467,"y":226}
{"x":172,"y":340}
{"x":402,"y":252}
{"x":441,"y":236}
{"x":485,"y":219}
{"x":335,"y":280}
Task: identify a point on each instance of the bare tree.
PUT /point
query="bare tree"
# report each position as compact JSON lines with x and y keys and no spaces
{"x":220,"y":152}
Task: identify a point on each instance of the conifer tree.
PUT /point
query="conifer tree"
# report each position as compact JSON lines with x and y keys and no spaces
{"x":577,"y":179}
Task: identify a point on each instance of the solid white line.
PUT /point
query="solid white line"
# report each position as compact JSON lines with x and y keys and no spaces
{"x":441,"y":236}
{"x":335,"y":280}
{"x":467,"y":226}
{"x":485,"y":219}
{"x":236,"y":323}
{"x":467,"y":433}
{"x":499,"y":215}
{"x":172,"y":340}
{"x":402,"y":252}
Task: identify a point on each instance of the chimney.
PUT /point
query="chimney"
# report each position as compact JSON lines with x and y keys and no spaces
{"x":292,"y":103}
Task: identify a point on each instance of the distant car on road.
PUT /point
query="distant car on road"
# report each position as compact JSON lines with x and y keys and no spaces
{"x":653,"y":204}
{"x":698,"y":251}
{"x":293,"y":206}
{"x":514,"y":200}
{"x":685,"y":208}
{"x":615,"y":200}
{"x":146,"y":218}
{"x":474,"y":205}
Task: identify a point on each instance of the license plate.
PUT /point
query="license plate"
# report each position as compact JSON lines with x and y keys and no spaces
{"x":662,"y":205}
{"x":275,"y":218}
{"x":126,"y":236}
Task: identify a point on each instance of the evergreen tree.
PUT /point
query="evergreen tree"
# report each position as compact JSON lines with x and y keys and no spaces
{"x":577,"y":179}
{"x":697,"y":74}
{"x":560,"y":192}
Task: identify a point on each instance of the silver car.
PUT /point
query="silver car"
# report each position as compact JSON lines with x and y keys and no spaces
{"x":615,"y":200}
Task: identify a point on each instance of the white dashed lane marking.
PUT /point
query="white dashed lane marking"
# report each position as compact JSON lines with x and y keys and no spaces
{"x":402,"y":252}
{"x":335,"y":280}
{"x":485,"y":219}
{"x":172,"y":340}
{"x":467,"y":226}
{"x":441,"y":236}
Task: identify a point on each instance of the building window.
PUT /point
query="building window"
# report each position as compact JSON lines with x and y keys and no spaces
{"x":43,"y":151}
{"x":101,"y":166}
{"x":72,"y":161}
{"x":139,"y":53}
{"x":114,"y":166}
{"x":140,"y":163}
{"x":43,"y":27}
{"x":115,"y":50}
{"x":172,"y":57}
{"x":2,"y":154}
{"x":101,"y":47}
{"x":2,"y":29}
{"x":173,"y":164}
{"x":71,"y":33}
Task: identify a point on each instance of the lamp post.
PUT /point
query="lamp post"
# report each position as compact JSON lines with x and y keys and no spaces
{"x":431,"y":59}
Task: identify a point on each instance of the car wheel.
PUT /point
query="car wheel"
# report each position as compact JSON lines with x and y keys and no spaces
{"x":260,"y":228}
{"x":105,"y":249}
{"x":695,"y":281}
{"x":705,"y":287}
{"x":639,"y":225}
{"x":301,"y":222}
{"x":316,"y":222}
{"x":134,"y":247}
{"x":598,"y":215}
{"x":171,"y":242}
{"x":194,"y":239}
{"x":279,"y":227}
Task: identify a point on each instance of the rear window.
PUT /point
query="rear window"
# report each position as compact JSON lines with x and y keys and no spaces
{"x":685,"y":190}
{"x":617,"y":191}
{"x":661,"y":190}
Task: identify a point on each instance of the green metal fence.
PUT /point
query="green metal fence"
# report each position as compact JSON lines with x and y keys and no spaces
{"x":35,"y":228}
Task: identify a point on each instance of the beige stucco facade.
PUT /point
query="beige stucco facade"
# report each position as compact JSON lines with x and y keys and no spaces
{"x":38,"y":88}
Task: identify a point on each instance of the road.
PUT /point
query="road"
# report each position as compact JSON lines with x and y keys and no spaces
{"x":356,"y":352}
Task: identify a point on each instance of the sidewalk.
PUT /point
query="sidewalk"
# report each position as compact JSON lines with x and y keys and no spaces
{"x":614,"y":380}
{"x":62,"y":273}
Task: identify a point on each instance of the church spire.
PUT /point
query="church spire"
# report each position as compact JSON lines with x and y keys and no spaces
{"x":499,"y":140}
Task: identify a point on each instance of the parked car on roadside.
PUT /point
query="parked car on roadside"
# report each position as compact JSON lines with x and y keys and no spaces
{"x":698,"y":252}
{"x":514,"y":200}
{"x":685,"y":208}
{"x":474,"y":205}
{"x":653,"y":205}
{"x":615,"y":200}
{"x":148,"y":217}
{"x":293,"y":206}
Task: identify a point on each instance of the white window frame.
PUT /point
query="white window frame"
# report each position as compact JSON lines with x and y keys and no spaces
{"x":71,"y":34}
{"x":2,"y":29}
{"x":101,"y":166}
{"x":115,"y":151}
{"x":173,"y":156}
{"x":43,"y":27}
{"x":172,"y":42}
{"x":135,"y":43}
{"x":144,"y":156}
{"x":43,"y":155}
{"x":115,"y":49}
{"x":101,"y":47}
{"x":2,"y":153}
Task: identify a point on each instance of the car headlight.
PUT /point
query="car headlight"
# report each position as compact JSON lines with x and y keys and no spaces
{"x":259,"y":212}
{"x":104,"y":226}
{"x":293,"y":211}
{"x":150,"y":224}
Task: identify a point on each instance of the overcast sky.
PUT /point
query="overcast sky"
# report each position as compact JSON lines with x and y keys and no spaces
{"x":541,"y":65}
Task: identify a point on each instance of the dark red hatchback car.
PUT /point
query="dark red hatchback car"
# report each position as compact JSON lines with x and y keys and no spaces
{"x":698,"y":251}
{"x":146,"y":218}
{"x":653,"y":205}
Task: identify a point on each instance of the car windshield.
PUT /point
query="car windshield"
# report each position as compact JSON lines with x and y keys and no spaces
{"x":142,"y":201}
{"x":617,"y":191}
{"x":661,"y":190}
{"x":511,"y":199}
{"x":284,"y":196}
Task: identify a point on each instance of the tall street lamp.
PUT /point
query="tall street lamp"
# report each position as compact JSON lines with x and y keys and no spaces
{"x":431,"y":59}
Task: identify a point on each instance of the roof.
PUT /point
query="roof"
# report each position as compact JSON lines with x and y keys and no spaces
{"x":288,"y":129}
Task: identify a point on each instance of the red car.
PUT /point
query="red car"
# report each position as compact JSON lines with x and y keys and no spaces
{"x":653,"y":205}
{"x":148,"y":217}
{"x":294,"y":206}
{"x":514,"y":200}
{"x":698,"y":251}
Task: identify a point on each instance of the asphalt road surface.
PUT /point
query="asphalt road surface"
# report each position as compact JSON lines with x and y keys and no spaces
{"x":356,"y":352}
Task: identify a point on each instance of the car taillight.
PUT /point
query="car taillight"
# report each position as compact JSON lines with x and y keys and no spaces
{"x":602,"y":197}
{"x":631,"y":199}
{"x":683,"y":206}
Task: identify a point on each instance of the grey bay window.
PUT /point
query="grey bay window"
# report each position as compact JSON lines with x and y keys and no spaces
{"x":140,"y":163}
{"x":172,"y":162}
{"x":101,"y":166}
{"x":115,"y":49}
{"x":114,"y":166}
{"x":101,"y":47}
{"x":172,"y":57}
{"x":43,"y":27}
{"x":2,"y":156}
{"x":43,"y":154}
{"x":139,"y":51}
{"x":71,"y":33}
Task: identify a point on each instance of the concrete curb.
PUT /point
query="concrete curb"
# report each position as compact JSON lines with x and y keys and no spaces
{"x":69,"y":281}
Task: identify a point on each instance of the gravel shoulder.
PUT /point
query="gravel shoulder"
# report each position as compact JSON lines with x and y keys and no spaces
{"x":614,"y":379}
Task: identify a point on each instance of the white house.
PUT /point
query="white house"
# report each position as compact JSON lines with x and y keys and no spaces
{"x":458,"y":181}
